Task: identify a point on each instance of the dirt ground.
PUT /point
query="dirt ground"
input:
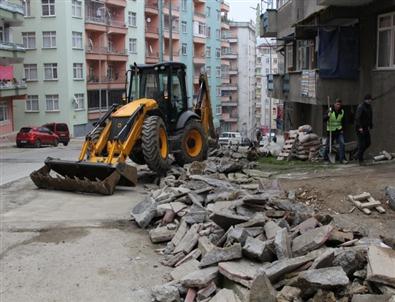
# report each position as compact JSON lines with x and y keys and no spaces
{"x":326,"y":189}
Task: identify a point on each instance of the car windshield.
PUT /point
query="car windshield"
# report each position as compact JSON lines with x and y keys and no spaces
{"x":25,"y":129}
{"x":61,"y":127}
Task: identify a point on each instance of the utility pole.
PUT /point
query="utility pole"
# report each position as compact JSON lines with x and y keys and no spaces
{"x":170,"y":33}
{"x":160,"y":8}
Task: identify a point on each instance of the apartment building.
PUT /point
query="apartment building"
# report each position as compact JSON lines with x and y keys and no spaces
{"x":76,"y":57}
{"x":269,"y":110}
{"x":114,"y":31}
{"x":196,"y":40}
{"x":336,"y":49}
{"x":12,"y":85}
{"x":238,"y":96}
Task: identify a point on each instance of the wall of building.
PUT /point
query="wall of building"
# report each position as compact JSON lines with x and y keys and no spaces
{"x":136,"y":32}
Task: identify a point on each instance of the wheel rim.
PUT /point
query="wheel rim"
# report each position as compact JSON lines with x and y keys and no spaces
{"x":163,"y":147}
{"x":193,"y":143}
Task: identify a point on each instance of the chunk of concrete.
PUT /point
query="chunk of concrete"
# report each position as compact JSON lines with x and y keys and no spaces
{"x":381,"y":265}
{"x":324,"y":260}
{"x":241,"y":291}
{"x":205,"y":245}
{"x":196,"y":214}
{"x":184,"y":269}
{"x":196,"y":253}
{"x":306,"y":225}
{"x":144,"y":212}
{"x":171,"y":260}
{"x":218,"y":254}
{"x":350,"y":260}
{"x":390,"y":193}
{"x":188,"y":242}
{"x":181,"y":231}
{"x":258,"y":250}
{"x":311,"y":240}
{"x":200,"y":278}
{"x":166,"y":293}
{"x":225,"y":219}
{"x":225,"y":295}
{"x":282,"y":244}
{"x":262,"y":290}
{"x":206,"y":292}
{"x":373,"y":298}
{"x":161,"y":234}
{"x":237,"y":235}
{"x":271,"y":229}
{"x":241,"y":271}
{"x":288,"y":294}
{"x":324,"y":278}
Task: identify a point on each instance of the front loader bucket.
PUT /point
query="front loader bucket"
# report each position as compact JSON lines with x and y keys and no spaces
{"x":84,"y":176}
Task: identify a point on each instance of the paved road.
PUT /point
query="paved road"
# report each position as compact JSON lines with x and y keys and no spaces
{"x":16,"y":163}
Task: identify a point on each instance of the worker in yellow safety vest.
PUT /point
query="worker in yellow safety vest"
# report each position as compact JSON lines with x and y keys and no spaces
{"x":335,"y":123}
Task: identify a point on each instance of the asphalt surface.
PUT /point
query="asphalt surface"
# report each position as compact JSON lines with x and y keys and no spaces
{"x":16,"y":163}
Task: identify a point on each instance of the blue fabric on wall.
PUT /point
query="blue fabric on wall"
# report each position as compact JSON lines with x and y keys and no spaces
{"x":338,"y":53}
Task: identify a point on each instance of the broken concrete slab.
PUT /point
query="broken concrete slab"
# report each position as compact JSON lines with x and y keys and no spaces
{"x":184,"y":269}
{"x":262,"y":290}
{"x":324,"y":278}
{"x":205,"y":245}
{"x":226,"y":166}
{"x":271,"y":229}
{"x":350,"y":259}
{"x":218,"y":254}
{"x":213,"y":181}
{"x":323,"y":260}
{"x":192,"y":255}
{"x":390,"y":194}
{"x":282,"y":244}
{"x":373,"y":298}
{"x":257,"y":173}
{"x":165,"y":293}
{"x":340,"y":237}
{"x":196,"y":214}
{"x":311,"y":240}
{"x":242,"y":271}
{"x":237,"y":235}
{"x":288,"y":294}
{"x":144,"y":211}
{"x":161,"y":234}
{"x":171,"y":260}
{"x":306,"y":225}
{"x":241,"y":291}
{"x":225,"y":295}
{"x":381,"y":265}
{"x":225,"y":219}
{"x":189,"y":240}
{"x":258,"y":250}
{"x":200,"y":278}
{"x":206,"y":292}
{"x":180,"y":233}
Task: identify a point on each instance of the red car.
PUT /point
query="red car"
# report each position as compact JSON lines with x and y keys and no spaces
{"x":61,"y":130}
{"x":36,"y":136}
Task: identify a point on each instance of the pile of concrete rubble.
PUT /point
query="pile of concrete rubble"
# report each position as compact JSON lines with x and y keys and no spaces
{"x":232,"y":237}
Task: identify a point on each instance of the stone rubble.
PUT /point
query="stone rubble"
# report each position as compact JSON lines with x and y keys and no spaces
{"x":230,"y":238}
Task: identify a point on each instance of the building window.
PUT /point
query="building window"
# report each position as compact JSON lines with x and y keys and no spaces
{"x":49,"y":39}
{"x":52,"y":102}
{"x":386,"y":41}
{"x":202,"y":29}
{"x":184,"y":5}
{"x":76,"y":8}
{"x":208,"y":71}
{"x":208,"y":11}
{"x":208,"y":32}
{"x":275,"y":61}
{"x":305,"y":55}
{"x":218,"y":52}
{"x":27,"y":8}
{"x":3,"y":112}
{"x":218,"y":15}
{"x":78,"y":71}
{"x":289,"y":57}
{"x":184,"y":27}
{"x":184,"y":49}
{"x":50,"y":71}
{"x":30,"y":72}
{"x":208,"y":52}
{"x":218,"y":110}
{"x":29,"y":40}
{"x":78,"y":101}
{"x":77,"y":40}
{"x":48,"y":7}
{"x":218,"y":71}
{"x":133,"y":45}
{"x":32,"y":103}
{"x":218,"y":34}
{"x":132,"y":19}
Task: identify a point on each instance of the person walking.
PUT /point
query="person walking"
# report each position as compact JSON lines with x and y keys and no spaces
{"x":335,"y":123}
{"x":363,"y":124}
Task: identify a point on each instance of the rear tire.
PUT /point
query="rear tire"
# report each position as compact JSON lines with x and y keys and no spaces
{"x":55,"y":143}
{"x":18,"y":145}
{"x":194,"y":146}
{"x":155,"y":144}
{"x":65,"y":143}
{"x":37,"y":143}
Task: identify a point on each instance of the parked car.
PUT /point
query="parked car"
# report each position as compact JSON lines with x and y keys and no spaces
{"x":230,"y":138}
{"x":36,"y":136}
{"x":61,"y":130}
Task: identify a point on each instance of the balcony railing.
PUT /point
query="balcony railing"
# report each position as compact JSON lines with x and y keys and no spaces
{"x":152,"y":55}
{"x":11,"y":7}
{"x":106,"y":50}
{"x":104,"y":21}
{"x":201,"y":15}
{"x":175,"y":29}
{"x":6,"y":85}
{"x":92,"y":79}
{"x":152,"y":30}
{"x":153,"y":5}
{"x":8,"y":45}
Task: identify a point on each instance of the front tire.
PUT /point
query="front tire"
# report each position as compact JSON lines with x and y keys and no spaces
{"x":194,"y":145}
{"x":65,"y":143}
{"x":155,"y":144}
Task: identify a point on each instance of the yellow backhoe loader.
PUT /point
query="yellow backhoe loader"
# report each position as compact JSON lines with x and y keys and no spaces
{"x":152,"y":122}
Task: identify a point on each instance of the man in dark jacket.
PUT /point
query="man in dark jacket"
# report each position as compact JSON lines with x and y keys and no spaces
{"x":363,"y":123}
{"x":334,"y":119}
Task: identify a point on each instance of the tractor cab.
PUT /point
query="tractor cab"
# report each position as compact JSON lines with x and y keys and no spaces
{"x":164,"y":83}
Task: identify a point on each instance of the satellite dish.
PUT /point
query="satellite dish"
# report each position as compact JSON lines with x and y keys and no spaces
{"x":148,"y":20}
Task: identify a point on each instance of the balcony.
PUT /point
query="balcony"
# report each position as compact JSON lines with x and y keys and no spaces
{"x":225,"y":23}
{"x":120,"y":3}
{"x":225,"y":79}
{"x":10,"y":89}
{"x":95,"y":82}
{"x":11,"y":13}
{"x":199,"y":38}
{"x":229,"y":117}
{"x":343,"y":2}
{"x":11,"y":53}
{"x":229,"y":87}
{"x":229,"y":104}
{"x":152,"y":58}
{"x":151,"y":8}
{"x":225,"y":7}
{"x":105,"y":53}
{"x":175,"y":33}
{"x":151,"y":32}
{"x":175,"y":10}
{"x":225,"y":43}
{"x":176,"y":56}
{"x":199,"y":59}
{"x":229,"y":55}
{"x":199,"y":17}
{"x":233,"y":71}
{"x":225,"y":62}
{"x":269,"y":23}
{"x":103,"y":24}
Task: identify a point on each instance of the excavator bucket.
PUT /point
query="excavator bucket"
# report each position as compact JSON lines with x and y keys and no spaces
{"x":82,"y":176}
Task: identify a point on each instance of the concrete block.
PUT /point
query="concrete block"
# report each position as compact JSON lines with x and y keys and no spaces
{"x":218,"y":254}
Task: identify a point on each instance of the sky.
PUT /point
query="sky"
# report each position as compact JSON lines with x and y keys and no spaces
{"x":240,"y":10}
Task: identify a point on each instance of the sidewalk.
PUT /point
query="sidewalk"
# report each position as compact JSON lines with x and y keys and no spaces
{"x":6,"y":143}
